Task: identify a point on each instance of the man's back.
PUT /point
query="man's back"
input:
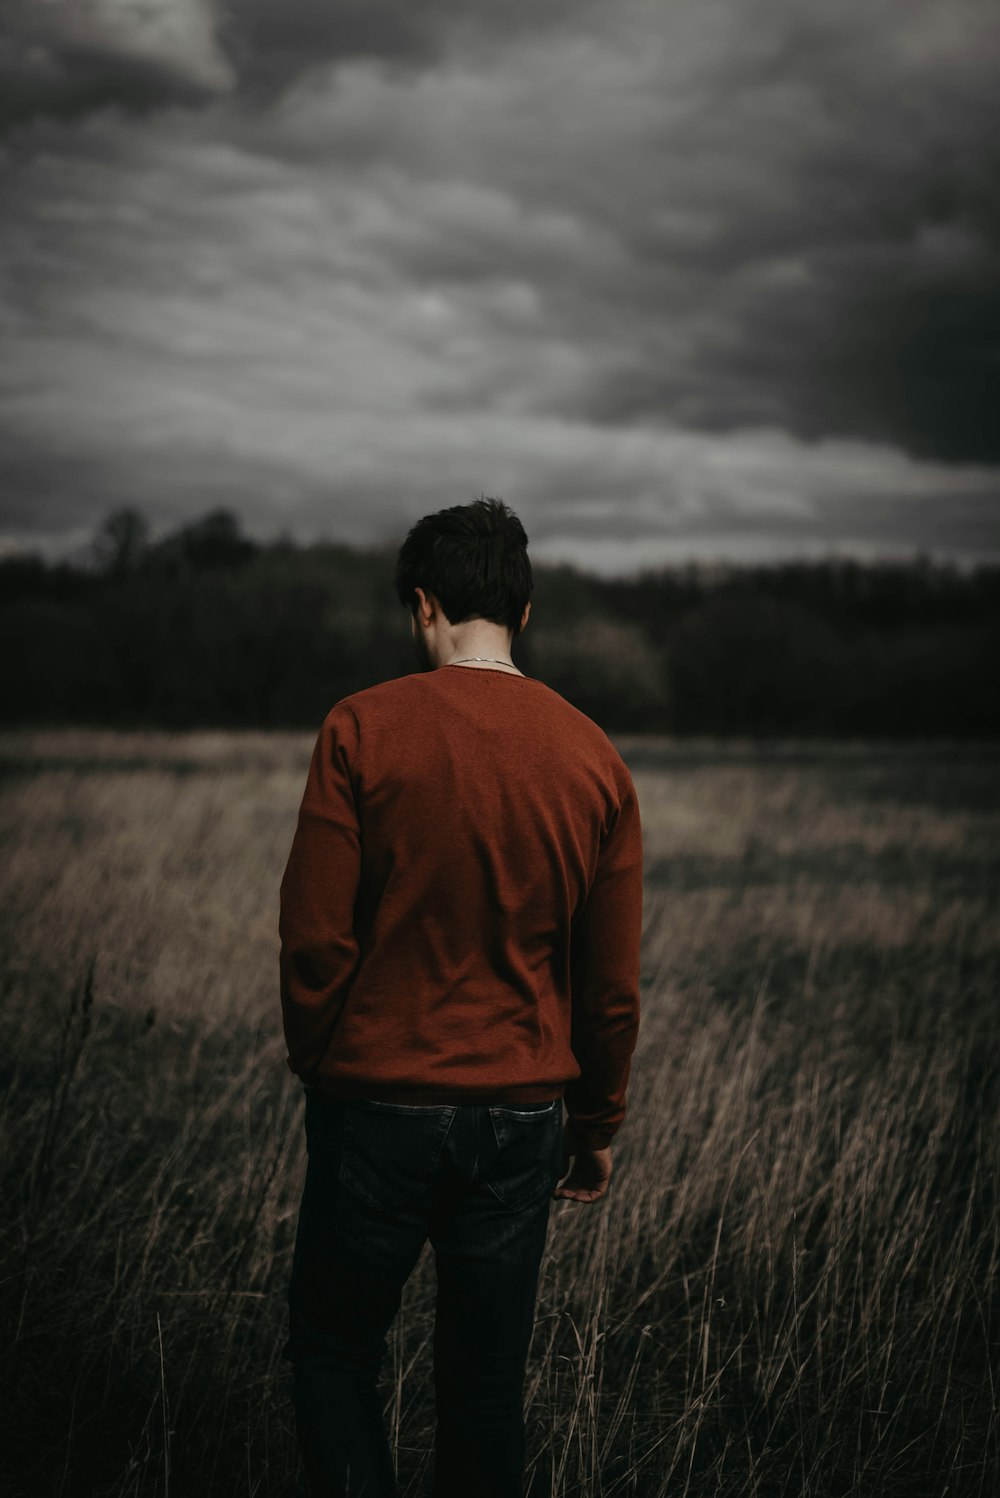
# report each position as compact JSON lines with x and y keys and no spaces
{"x":462,"y":905}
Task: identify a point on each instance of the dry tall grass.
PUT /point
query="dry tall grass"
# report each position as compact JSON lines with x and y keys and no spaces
{"x":792,"y":1286}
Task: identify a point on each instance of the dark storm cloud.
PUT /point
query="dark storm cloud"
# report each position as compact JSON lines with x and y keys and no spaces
{"x":802,"y":206}
{"x":719,"y":274}
{"x":861,"y":278}
{"x":66,"y":58}
{"x":270,"y":45}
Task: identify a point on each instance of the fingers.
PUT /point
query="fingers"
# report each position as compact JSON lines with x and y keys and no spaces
{"x":580,"y":1193}
{"x":578,"y":1187}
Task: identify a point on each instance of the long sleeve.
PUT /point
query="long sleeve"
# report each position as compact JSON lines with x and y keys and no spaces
{"x":319,"y":948}
{"x":605,"y":982}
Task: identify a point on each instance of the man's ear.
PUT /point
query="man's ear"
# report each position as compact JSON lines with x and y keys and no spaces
{"x":424,"y":601}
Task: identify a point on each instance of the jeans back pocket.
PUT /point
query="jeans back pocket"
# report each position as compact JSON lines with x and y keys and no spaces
{"x":391,"y":1150}
{"x":529,"y":1145}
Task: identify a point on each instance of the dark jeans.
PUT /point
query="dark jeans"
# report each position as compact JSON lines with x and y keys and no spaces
{"x":382,"y":1178}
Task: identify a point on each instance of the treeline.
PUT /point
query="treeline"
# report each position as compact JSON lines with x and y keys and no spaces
{"x":207,"y":628}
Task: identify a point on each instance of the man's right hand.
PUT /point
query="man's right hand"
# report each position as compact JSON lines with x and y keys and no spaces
{"x":591,"y":1174}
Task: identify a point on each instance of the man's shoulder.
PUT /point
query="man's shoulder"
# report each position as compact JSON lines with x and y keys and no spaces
{"x":587,"y":733}
{"x":394,"y":689}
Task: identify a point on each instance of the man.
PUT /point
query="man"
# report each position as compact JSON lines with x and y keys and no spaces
{"x":461,"y":914}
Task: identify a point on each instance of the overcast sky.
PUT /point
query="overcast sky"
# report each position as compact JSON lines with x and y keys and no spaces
{"x":676,"y":278}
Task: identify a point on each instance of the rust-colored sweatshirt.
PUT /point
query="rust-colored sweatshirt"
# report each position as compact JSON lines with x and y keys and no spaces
{"x":461,"y":909}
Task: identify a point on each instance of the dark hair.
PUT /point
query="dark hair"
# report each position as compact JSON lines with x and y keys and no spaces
{"x":473,"y":558}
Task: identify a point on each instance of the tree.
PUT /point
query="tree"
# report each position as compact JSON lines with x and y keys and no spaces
{"x":121,"y":542}
{"x":213,"y":540}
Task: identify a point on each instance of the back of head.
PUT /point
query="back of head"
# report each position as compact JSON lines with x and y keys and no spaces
{"x":473,"y":558}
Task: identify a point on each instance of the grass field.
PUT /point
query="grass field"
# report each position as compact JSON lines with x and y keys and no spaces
{"x":791,"y":1288}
